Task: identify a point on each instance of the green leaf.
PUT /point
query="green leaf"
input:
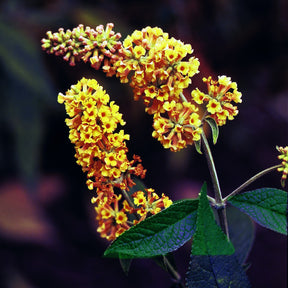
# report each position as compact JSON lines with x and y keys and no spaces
{"x":198,"y":146}
{"x":218,"y":271}
{"x":210,"y":270}
{"x":266,"y":206}
{"x":214,"y":128}
{"x":209,"y":238}
{"x":125,"y":264}
{"x":159,"y":234}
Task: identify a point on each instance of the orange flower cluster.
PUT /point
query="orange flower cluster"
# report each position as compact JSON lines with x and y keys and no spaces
{"x":102,"y":153}
{"x":284,"y":168}
{"x":219,"y":98}
{"x":154,"y":67}
{"x":84,"y":43}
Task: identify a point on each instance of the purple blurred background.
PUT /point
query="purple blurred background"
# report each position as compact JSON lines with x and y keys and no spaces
{"x":48,"y":235}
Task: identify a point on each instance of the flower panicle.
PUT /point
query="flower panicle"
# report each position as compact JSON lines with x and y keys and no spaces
{"x":98,"y":46}
{"x":284,"y":163}
{"x":155,"y":68}
{"x":101,"y":151}
{"x":218,"y":100}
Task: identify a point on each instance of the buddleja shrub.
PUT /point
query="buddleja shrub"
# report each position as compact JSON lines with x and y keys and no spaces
{"x":139,"y":222}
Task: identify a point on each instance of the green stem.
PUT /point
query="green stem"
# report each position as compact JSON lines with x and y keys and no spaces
{"x":130,"y":202}
{"x":212,"y":200}
{"x":251,"y":180}
{"x":221,"y":212}
{"x":219,"y":203}
{"x":183,"y":98}
{"x":128,"y":199}
{"x":212,"y":170}
{"x":175,"y":275}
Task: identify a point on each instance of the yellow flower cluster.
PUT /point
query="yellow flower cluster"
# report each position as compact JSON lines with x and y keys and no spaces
{"x":102,"y":153}
{"x":149,"y":203}
{"x":113,"y":221}
{"x":284,"y":168}
{"x":154,"y":67}
{"x":218,"y":100}
{"x":181,"y":128}
{"x":84,"y":43}
{"x":100,"y":150}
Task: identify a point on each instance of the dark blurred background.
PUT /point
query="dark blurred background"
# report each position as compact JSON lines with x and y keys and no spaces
{"x":48,"y":235}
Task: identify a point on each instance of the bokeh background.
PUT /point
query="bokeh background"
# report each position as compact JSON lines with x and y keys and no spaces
{"x":47,"y":231}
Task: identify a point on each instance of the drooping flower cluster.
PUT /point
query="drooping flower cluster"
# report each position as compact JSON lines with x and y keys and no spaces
{"x":284,"y":168}
{"x":154,"y":67}
{"x":102,"y":153}
{"x":218,"y":100}
{"x":84,"y":43}
{"x":100,"y":150}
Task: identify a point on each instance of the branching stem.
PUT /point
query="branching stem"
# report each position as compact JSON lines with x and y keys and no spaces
{"x":251,"y":180}
{"x":176,"y":276}
{"x":219,"y":203}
